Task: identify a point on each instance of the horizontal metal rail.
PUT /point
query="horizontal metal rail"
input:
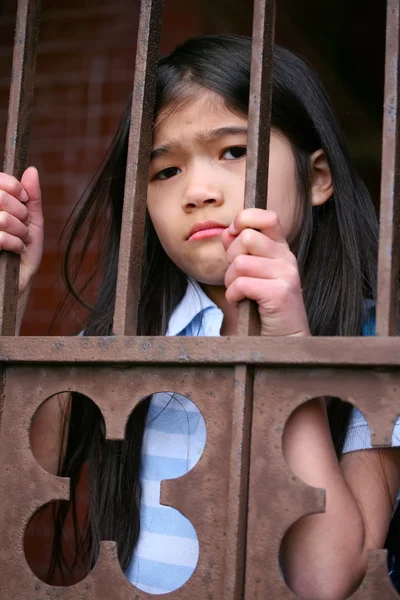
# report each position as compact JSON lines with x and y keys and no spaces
{"x":345,"y":352}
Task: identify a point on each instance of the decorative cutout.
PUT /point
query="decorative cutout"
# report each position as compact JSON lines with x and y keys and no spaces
{"x":167,"y":551}
{"x":49,"y":445}
{"x":351,"y":433}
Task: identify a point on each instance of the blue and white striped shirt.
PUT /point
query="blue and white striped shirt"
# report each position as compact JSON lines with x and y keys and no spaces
{"x":174,"y":440}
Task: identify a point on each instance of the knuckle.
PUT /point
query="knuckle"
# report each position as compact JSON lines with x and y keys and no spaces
{"x":24,"y":212}
{"x":247,"y":237}
{"x":240,"y":264}
{"x":10,"y":182}
{"x":273,"y":218}
{"x":4,"y":220}
{"x":292,"y":260}
{"x":241,"y":216}
{"x":240,"y":284}
{"x":15,"y":185}
{"x":282,"y":290}
{"x":3,"y":199}
{"x":292,"y":276}
{"x":229,"y":255}
{"x":3,"y":238}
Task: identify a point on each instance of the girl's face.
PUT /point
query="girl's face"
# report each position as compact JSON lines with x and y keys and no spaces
{"x":197,"y":179}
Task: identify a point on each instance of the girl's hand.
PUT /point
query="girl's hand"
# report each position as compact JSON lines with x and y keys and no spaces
{"x":21,"y":222}
{"x":262,"y":268}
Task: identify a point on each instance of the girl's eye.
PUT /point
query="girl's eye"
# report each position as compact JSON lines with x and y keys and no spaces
{"x":234,"y":152}
{"x":167,"y":173}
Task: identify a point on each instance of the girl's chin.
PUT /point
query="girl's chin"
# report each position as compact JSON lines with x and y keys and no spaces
{"x":209,"y":277}
{"x":209,"y":274}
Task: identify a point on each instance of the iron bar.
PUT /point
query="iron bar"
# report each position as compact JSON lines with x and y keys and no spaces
{"x":259,"y":120}
{"x":307,"y":352}
{"x":259,"y":124}
{"x":17,"y":141}
{"x":137,"y":168}
{"x":389,"y":239}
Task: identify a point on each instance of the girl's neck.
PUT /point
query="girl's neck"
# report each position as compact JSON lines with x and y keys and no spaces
{"x":216,"y":293}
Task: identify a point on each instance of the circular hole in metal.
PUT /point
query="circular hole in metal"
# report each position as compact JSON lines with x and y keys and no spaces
{"x":62,"y":432}
{"x":167,"y":551}
{"x":157,"y":545}
{"x":352,"y":441}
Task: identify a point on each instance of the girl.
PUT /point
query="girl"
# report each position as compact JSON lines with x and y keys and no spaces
{"x":309,"y":262}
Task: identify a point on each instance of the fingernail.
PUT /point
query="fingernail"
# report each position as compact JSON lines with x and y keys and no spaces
{"x":232,"y":229}
{"x":23,"y":196}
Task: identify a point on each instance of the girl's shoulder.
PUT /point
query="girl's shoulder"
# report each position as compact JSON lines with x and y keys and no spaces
{"x":358,"y":435}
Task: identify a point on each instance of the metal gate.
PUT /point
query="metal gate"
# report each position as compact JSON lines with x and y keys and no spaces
{"x":239,"y":522}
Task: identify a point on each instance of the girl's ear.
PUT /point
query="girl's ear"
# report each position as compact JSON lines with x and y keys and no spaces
{"x":321,"y":180}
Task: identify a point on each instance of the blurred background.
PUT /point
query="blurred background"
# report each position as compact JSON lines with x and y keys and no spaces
{"x":85,"y":67}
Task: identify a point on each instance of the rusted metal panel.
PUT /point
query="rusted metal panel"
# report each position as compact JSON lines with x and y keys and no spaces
{"x":17,"y":138}
{"x":376,"y":583}
{"x":307,"y":352}
{"x":137,"y":168}
{"x":277,"y":498}
{"x":389,"y":243}
{"x":201,"y":495}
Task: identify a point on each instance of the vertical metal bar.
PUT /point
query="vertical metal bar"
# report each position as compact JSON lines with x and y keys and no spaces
{"x":140,"y":139}
{"x":17,"y":138}
{"x":259,"y":121}
{"x":235,"y":552}
{"x":389,"y":238}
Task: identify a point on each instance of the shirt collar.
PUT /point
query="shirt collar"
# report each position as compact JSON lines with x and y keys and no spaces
{"x":194,"y":302}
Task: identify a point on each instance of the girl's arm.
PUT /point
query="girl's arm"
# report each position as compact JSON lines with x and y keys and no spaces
{"x":324,"y":556}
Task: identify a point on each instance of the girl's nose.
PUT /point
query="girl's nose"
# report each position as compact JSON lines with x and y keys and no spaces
{"x":201,"y":190}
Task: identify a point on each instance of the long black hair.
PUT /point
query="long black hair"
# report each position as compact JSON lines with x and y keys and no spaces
{"x":336,"y":251}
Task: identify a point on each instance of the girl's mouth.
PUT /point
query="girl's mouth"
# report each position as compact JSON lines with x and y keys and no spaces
{"x":204,"y":230}
{"x":206,"y":233}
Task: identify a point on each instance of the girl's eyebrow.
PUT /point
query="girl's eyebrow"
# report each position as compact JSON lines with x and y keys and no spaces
{"x":203,"y":136}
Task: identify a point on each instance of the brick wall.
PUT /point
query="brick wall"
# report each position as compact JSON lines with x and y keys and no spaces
{"x":85,"y":67}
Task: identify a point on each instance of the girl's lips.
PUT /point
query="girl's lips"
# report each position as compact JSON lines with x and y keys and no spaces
{"x":206,"y":233}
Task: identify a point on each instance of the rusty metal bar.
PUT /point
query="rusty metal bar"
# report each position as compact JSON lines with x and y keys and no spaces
{"x":17,"y":139}
{"x":259,"y":120}
{"x":235,"y":553}
{"x":305,"y":352}
{"x":259,"y":123}
{"x":140,"y":139}
{"x":389,"y":239}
